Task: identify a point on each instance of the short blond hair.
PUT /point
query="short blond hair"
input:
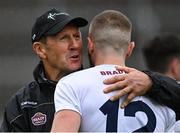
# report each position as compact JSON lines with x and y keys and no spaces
{"x":111,"y":29}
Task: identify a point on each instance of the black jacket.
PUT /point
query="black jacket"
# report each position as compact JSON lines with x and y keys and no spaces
{"x":31,"y":109}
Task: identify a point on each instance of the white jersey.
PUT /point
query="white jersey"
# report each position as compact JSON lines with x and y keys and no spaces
{"x":177,"y":125}
{"x":83,"y":92}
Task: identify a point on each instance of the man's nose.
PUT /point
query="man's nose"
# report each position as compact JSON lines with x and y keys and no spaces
{"x":75,"y":43}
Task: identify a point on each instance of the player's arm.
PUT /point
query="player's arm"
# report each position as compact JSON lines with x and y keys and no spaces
{"x":160,"y":88}
{"x":68,"y":113}
{"x":66,"y":121}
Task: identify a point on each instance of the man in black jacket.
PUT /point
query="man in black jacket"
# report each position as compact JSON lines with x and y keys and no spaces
{"x":57,"y":41}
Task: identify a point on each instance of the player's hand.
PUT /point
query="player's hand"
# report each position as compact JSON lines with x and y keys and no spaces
{"x":133,"y":83}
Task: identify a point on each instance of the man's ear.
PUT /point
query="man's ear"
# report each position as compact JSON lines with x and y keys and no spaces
{"x":174,"y":66}
{"x":40,"y":50}
{"x":130,"y":49}
{"x":90,"y":45}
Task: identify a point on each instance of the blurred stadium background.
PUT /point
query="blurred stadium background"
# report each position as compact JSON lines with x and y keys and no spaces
{"x":17,"y":60}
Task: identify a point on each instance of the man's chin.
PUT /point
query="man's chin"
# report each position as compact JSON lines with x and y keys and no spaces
{"x":76,"y":68}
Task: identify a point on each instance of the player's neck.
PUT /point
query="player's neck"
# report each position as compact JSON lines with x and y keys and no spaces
{"x":110,"y":59}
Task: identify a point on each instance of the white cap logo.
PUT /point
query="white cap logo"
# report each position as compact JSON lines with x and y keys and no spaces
{"x":33,"y":37}
{"x":53,"y":15}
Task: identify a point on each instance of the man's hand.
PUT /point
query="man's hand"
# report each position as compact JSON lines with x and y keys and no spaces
{"x":133,"y":83}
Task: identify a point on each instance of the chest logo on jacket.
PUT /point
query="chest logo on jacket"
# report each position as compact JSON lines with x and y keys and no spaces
{"x":38,"y":119}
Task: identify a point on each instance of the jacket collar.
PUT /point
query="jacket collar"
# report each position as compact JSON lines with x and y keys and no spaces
{"x":39,"y":76}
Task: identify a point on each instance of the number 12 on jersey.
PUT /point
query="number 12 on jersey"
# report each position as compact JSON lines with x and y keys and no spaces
{"x":111,"y":109}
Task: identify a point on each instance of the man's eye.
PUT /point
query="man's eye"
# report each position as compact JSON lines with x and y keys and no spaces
{"x":77,"y":37}
{"x":64,"y":38}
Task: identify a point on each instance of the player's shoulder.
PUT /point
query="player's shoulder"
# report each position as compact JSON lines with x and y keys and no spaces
{"x":165,"y":111}
{"x":91,"y":73}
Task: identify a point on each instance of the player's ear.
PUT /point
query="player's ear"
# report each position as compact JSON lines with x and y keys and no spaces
{"x":174,"y":66}
{"x":130,"y":49}
{"x":39,"y":48}
{"x":90,"y":45}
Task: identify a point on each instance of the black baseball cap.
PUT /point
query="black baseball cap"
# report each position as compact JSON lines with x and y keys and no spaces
{"x":52,"y":22}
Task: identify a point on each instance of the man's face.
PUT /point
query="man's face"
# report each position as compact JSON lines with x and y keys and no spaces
{"x":64,"y":50}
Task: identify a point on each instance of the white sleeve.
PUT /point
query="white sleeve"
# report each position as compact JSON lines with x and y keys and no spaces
{"x":171,"y":121}
{"x":177,"y":126}
{"x":66,"y":97}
